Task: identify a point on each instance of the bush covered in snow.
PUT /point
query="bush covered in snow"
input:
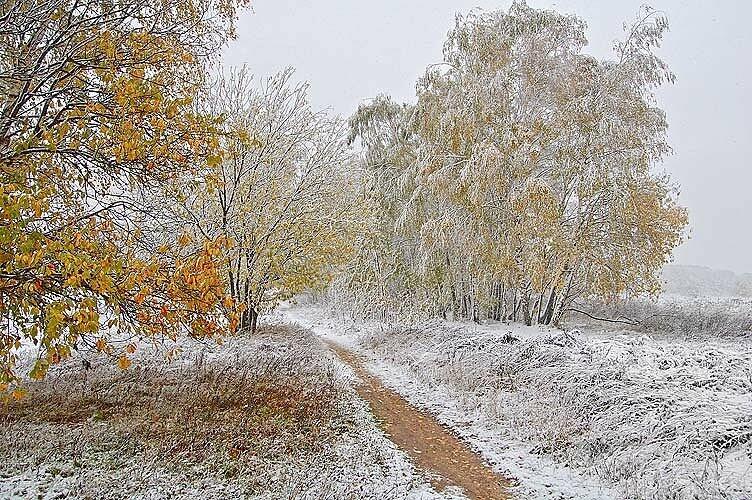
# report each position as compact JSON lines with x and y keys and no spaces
{"x":661,"y":419}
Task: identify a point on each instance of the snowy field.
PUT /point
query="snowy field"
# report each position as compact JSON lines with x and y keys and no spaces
{"x":274,"y":416}
{"x":680,"y":317}
{"x":576,"y":414}
{"x":566,"y":414}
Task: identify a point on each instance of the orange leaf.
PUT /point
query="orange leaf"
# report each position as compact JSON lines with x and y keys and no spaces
{"x":184,"y":240}
{"x":124,"y":363}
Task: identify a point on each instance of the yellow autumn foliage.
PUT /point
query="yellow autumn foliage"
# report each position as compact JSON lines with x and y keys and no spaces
{"x":95,"y":108}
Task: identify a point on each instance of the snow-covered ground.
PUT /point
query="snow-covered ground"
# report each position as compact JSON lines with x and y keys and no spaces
{"x":593,"y":415}
{"x":599,"y":414}
{"x":685,"y":318}
{"x":99,"y":446}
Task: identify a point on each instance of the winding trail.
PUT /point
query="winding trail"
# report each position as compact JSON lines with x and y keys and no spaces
{"x":447,"y":460}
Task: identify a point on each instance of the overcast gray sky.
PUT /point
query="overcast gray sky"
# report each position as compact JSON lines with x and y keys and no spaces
{"x":352,"y":50}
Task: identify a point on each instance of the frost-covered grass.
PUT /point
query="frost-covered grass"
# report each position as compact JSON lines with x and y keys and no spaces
{"x":683,"y":317}
{"x":659,"y":418}
{"x":269,"y":416}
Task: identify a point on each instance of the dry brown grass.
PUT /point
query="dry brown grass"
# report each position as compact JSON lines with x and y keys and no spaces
{"x":269,"y":398}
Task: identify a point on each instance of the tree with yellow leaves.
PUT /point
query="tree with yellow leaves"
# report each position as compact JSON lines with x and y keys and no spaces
{"x":96,"y":108}
{"x":531,"y":178}
{"x":282,"y":191}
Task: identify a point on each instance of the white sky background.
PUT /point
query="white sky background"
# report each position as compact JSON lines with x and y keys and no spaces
{"x":352,"y":50}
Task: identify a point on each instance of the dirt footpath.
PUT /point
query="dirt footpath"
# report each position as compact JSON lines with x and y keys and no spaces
{"x":447,"y":460}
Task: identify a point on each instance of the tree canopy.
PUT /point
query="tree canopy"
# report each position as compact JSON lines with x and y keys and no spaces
{"x":142,"y":198}
{"x":96,"y":108}
{"x":525,"y":176}
{"x":283,"y":191}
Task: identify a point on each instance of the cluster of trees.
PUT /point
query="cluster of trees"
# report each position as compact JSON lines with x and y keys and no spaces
{"x":522,"y":179}
{"x":283,"y":191}
{"x":143,"y":198}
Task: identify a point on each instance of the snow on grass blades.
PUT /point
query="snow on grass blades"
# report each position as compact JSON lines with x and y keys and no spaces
{"x":658,"y":418}
{"x":269,"y":416}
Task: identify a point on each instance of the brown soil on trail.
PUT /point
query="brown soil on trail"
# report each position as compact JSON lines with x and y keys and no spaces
{"x":447,"y":460}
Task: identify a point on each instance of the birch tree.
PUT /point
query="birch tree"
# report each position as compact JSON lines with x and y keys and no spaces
{"x":534,"y":180}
